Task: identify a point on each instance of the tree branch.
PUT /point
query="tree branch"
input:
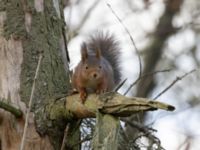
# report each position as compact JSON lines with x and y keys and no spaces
{"x":70,"y":108}
{"x":111,"y":103}
{"x":175,"y":81}
{"x":15,"y":111}
{"x":131,"y":38}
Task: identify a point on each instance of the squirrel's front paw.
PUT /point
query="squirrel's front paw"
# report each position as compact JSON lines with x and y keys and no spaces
{"x":73,"y":91}
{"x":83,"y":97}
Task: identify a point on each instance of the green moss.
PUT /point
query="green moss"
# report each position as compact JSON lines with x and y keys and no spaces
{"x":57,"y":111}
{"x":44,"y":38}
{"x":13,"y":25}
{"x":51,"y":121}
{"x":52,"y":81}
{"x":106,"y":132}
{"x":2,"y":6}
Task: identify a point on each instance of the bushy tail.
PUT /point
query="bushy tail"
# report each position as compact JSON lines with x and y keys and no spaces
{"x":109,"y":49}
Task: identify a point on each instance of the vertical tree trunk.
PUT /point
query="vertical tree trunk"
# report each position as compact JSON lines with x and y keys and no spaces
{"x":29,"y":29}
{"x":154,"y":52}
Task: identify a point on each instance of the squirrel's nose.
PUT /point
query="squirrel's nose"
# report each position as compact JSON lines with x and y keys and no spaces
{"x":94,"y":75}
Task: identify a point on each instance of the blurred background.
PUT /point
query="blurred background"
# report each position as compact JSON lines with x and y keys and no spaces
{"x":167,"y":36}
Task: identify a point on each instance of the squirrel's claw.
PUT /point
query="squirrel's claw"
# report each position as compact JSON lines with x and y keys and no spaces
{"x":83,"y":96}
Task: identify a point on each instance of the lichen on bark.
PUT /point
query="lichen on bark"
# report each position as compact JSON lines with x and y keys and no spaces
{"x":14,"y":25}
{"x":43,"y":38}
{"x":52,"y":81}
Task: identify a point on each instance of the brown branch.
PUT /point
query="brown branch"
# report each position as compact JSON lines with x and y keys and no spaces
{"x":15,"y":111}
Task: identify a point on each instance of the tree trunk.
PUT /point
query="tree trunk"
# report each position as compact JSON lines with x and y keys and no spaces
{"x":29,"y":29}
{"x":153,"y":55}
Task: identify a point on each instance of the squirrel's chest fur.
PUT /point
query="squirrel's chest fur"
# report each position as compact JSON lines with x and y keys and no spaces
{"x":91,"y":86}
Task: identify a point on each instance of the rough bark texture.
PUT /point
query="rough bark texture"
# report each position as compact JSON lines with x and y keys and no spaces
{"x":106,"y":136}
{"x":153,"y":54}
{"x":27,"y":29}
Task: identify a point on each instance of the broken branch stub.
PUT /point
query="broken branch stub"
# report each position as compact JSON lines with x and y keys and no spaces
{"x":112,"y":103}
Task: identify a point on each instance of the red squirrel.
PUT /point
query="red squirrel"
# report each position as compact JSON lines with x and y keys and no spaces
{"x":98,"y":71}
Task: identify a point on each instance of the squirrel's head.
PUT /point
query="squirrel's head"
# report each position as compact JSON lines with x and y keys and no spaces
{"x":91,"y":64}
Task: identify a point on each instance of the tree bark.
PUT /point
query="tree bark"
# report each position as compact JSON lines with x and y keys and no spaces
{"x":29,"y":29}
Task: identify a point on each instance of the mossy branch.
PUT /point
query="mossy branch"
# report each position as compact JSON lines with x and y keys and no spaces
{"x":15,"y":111}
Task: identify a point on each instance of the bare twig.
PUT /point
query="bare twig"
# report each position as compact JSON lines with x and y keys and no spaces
{"x":64,"y":138}
{"x":30,"y":103}
{"x":15,"y":111}
{"x":148,"y":132}
{"x":143,"y":76}
{"x":131,"y":38}
{"x":83,"y":21}
{"x":120,"y":85}
{"x":175,"y":81}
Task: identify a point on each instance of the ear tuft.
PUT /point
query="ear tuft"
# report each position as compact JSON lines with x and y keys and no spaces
{"x":84,"y":52}
{"x":98,"y":52}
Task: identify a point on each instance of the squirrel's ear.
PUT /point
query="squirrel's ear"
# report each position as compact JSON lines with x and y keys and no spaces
{"x":84,"y":53}
{"x":98,"y":52}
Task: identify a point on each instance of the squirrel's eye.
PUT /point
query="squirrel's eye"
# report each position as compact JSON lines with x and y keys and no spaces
{"x":86,"y":67}
{"x":100,"y":67}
